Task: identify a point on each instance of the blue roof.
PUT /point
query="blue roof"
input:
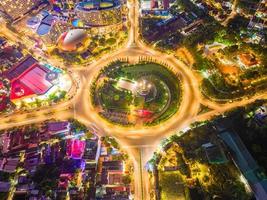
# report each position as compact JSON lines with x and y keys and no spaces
{"x":33,"y":21}
{"x":48,"y":20}
{"x":242,"y":157}
{"x":45,"y":25}
{"x":43,"y":29}
{"x":75,"y":22}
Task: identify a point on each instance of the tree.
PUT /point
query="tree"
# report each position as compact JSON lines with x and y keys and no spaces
{"x":126,"y":179}
{"x":111,"y":41}
{"x":46,"y":177}
{"x":89,"y":135}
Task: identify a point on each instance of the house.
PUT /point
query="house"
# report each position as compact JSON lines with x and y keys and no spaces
{"x":112,"y":172}
{"x":115,"y":178}
{"x":4,"y":142}
{"x":58,"y":128}
{"x":2,"y":162}
{"x":75,"y":148}
{"x":92,"y":151}
{"x":51,"y":153}
{"x":247,"y":59}
{"x":261,"y":115}
{"x":113,"y":166}
{"x":4,"y":186}
{"x":31,"y":164}
{"x":11,"y":164}
{"x":64,"y":180}
{"x":71,"y":165}
{"x":2,"y":42}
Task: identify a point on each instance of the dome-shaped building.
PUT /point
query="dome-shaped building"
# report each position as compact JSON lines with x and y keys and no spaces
{"x":73,"y":40}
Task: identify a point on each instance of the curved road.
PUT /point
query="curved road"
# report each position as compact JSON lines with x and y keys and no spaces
{"x":138,"y":141}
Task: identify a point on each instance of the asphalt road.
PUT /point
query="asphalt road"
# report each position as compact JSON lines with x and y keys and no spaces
{"x":140,"y":142}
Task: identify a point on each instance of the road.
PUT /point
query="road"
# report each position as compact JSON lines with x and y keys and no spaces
{"x":232,"y":14}
{"x":140,"y":142}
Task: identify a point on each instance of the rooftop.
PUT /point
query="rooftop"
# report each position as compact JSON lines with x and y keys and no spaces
{"x":113,"y":165}
{"x":58,"y":126}
{"x":75,"y":148}
{"x":20,"y":68}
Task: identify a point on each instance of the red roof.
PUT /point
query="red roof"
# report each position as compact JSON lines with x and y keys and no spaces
{"x":19,"y":90}
{"x":28,"y":80}
{"x":75,"y":148}
{"x":144,"y":113}
{"x":35,"y":79}
{"x":118,"y":188}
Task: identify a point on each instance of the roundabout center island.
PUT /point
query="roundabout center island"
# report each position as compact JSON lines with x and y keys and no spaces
{"x":143,"y":94}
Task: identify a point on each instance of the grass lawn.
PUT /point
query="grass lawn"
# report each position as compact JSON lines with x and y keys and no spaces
{"x":172,"y":186}
{"x":163,"y":105}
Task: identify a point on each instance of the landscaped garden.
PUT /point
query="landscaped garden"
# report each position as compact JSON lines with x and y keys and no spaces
{"x":185,"y":167}
{"x":143,"y":93}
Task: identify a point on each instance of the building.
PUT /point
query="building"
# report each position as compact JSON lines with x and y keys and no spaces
{"x":28,"y":80}
{"x":17,"y":9}
{"x":73,"y":40}
{"x":153,"y":4}
{"x":4,"y":142}
{"x":99,"y":13}
{"x":162,"y":5}
{"x":75,"y":148}
{"x":9,"y":55}
{"x":91,"y":154}
{"x":10,"y":164}
{"x":45,"y":24}
{"x":48,"y":27}
{"x":247,"y":59}
{"x":63,"y":4}
{"x":114,"y":166}
{"x":246,"y":163}
{"x":126,"y":84}
{"x":5,"y":186}
{"x":166,"y":4}
{"x":3,"y":102}
{"x":258,"y":21}
{"x":58,"y":128}
{"x":112,"y":172}
{"x":53,"y":36}
{"x":260,"y":116}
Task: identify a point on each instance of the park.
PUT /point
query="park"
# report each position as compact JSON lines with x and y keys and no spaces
{"x":144,"y":93}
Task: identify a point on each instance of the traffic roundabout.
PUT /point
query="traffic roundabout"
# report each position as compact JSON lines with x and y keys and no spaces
{"x":144,"y":93}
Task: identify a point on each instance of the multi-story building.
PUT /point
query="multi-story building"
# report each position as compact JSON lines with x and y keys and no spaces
{"x":54,"y":34}
{"x":153,"y":4}
{"x":163,"y":4}
{"x":103,"y":13}
{"x":166,"y":4}
{"x":259,"y":19}
{"x":258,"y":23}
{"x":17,"y":9}
{"x":64,"y":4}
